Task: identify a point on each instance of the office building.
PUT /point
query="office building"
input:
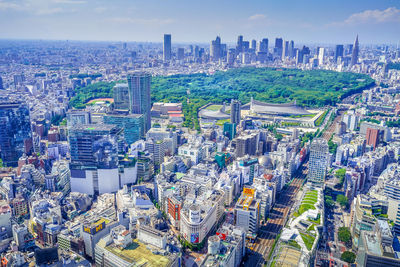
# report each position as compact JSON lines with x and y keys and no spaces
{"x":1,"y":84}
{"x":247,"y":211}
{"x":121,"y":96}
{"x":181,"y":53}
{"x":263,"y":45}
{"x":78,"y":116}
{"x":354,"y":53}
{"x":15,"y":132}
{"x":62,"y":177}
{"x":318,"y":163}
{"x":145,"y":167}
{"x":235,"y":111}
{"x":94,"y":145}
{"x":299,"y":56}
{"x":167,"y":50}
{"x":321,"y":56}
{"x":373,"y":252}
{"x":118,"y":249}
{"x":253,"y":45}
{"x":230,"y":130}
{"x":227,"y":247}
{"x":372,"y":137}
{"x":248,"y":168}
{"x":384,"y":132}
{"x":94,"y":158}
{"x":196,"y":51}
{"x":169,"y":137}
{"x":239,"y":45}
{"x":285,"y":50}
{"x":157,"y":149}
{"x":133,"y":125}
{"x":247,"y":144}
{"x":278,"y":46}
{"x":139,"y":96}
{"x":339,"y":50}
{"x":215,"y":49}
{"x":291,"y":49}
{"x":199,"y":218}
{"x":231,"y":56}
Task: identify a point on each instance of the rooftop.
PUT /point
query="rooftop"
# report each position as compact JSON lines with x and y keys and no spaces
{"x":137,"y":253}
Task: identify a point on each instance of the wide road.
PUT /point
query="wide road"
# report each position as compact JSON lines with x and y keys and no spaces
{"x":276,"y":220}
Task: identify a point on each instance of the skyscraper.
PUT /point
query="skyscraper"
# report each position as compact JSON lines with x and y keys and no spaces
{"x":181,"y":53}
{"x":321,"y":56}
{"x":167,"y":47}
{"x":235,"y":111}
{"x":299,"y":56}
{"x":291,"y":50}
{"x":372,"y":137}
{"x":1,"y":83}
{"x":263,"y":47}
{"x":15,"y":132}
{"x":285,"y":50}
{"x":278,"y":46}
{"x":319,"y":153}
{"x":338,"y":52}
{"x":139,"y":96}
{"x":94,"y":158}
{"x":354,"y":54}
{"x":215,"y":49}
{"x":196,"y":51}
{"x":121,"y":96}
{"x":239,"y":45}
{"x":231,"y":56}
{"x":349,"y":49}
{"x":253,"y":44}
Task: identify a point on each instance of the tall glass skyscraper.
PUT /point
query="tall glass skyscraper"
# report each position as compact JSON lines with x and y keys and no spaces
{"x":235,"y":111}
{"x":139,"y":96}
{"x":121,"y":96}
{"x":339,"y":51}
{"x":15,"y":132}
{"x":167,"y":51}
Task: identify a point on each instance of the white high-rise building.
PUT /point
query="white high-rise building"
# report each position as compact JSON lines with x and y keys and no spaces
{"x":319,"y":156}
{"x":321,"y":55}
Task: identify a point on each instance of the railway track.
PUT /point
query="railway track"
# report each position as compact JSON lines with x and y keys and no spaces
{"x":274,"y":225}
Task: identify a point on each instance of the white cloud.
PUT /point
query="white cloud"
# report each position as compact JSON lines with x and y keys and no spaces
{"x":391,"y":14}
{"x":48,"y":11}
{"x":5,"y":5}
{"x":257,"y":17}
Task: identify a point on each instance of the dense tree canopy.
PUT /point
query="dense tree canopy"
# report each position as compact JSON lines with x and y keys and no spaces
{"x":342,"y":200}
{"x":308,"y":88}
{"x":344,"y":234}
{"x":348,"y":256}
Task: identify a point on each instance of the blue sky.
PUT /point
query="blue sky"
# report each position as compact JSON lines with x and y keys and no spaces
{"x":305,"y":21}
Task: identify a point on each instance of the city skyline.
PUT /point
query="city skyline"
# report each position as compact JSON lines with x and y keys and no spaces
{"x":303,"y":21}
